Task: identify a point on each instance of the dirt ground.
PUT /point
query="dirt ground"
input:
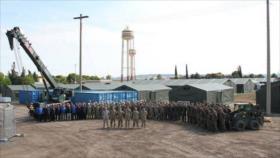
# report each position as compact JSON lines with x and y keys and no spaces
{"x":81,"y":139}
{"x":245,"y":98}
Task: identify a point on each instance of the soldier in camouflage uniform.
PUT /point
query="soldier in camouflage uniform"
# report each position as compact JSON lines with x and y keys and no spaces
{"x":143,"y":115}
{"x":135,"y":116}
{"x":221,"y":120}
{"x":113,"y":117}
{"x":127,"y":117}
{"x":105,"y":115}
{"x":120,"y":117}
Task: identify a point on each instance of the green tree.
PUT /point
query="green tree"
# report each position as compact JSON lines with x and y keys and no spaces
{"x":27,"y":80}
{"x":23,"y":73}
{"x":35,"y":76}
{"x":2,"y":76}
{"x":60,"y":79}
{"x":235,"y":74}
{"x":13,"y":75}
{"x":30,"y":73}
{"x":259,"y":76}
{"x":251,"y":75}
{"x":94,"y":78}
{"x":274,"y":75}
{"x":176,"y":73}
{"x":108,"y":77}
{"x":187,"y":72}
{"x":6,"y":81}
{"x":196,"y":76}
{"x":71,"y":78}
{"x":159,"y":77}
{"x":239,"y":70}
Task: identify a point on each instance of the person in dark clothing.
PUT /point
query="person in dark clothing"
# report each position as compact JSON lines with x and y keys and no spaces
{"x":62,"y":112}
{"x":79,"y":112}
{"x":82,"y":110}
{"x":52,"y":113}
{"x":45,"y":114}
{"x":57,"y":112}
{"x":39,"y":113}
{"x":73,"y":112}
{"x":68,"y":111}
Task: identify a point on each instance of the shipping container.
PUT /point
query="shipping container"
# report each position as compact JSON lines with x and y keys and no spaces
{"x":104,"y":96}
{"x":27,"y":97}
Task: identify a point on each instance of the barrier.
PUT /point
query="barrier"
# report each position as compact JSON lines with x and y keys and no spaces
{"x":7,"y":121}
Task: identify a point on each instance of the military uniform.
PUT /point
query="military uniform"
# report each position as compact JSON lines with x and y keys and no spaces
{"x":127,"y":117}
{"x":143,"y":115}
{"x":105,"y":115}
{"x":120,"y":118}
{"x":135,"y":116}
{"x":113,"y":118}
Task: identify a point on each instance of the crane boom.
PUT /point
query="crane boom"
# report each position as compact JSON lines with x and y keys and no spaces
{"x":26,"y":45}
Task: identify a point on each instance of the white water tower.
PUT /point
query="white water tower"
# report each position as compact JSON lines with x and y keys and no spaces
{"x":129,"y":51}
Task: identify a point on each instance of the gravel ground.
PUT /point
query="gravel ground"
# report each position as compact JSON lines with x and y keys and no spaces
{"x":81,"y":139}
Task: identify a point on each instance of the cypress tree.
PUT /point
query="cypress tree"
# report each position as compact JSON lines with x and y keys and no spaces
{"x":187,"y":72}
{"x":176,"y":73}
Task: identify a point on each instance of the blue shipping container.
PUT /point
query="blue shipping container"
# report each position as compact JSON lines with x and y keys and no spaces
{"x":28,"y":97}
{"x":104,"y":96}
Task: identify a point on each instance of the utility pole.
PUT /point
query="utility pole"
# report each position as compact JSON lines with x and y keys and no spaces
{"x":268,"y":82}
{"x":80,"y":18}
{"x":75,"y":74}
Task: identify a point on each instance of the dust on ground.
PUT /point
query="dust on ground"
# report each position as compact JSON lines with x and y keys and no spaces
{"x":245,"y":98}
{"x":81,"y":139}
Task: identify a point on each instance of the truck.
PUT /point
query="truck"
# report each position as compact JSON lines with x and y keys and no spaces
{"x":59,"y":94}
{"x":246,"y":116}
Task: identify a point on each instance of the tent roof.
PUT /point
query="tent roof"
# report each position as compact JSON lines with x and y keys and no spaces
{"x":211,"y":87}
{"x":20,"y":87}
{"x":68,"y":86}
{"x":145,"y":87}
{"x":262,"y":79}
{"x":240,"y":80}
{"x":179,"y":82}
{"x":101,"y":86}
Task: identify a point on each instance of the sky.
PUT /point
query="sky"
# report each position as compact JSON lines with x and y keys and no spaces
{"x":208,"y":35}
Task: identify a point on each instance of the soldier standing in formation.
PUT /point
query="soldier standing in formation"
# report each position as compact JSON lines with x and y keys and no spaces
{"x":127,"y":117}
{"x":105,"y":115}
{"x":120,"y":118}
{"x":143,"y":115}
{"x":212,"y":117}
{"x":135,"y":116}
{"x":113,"y":118}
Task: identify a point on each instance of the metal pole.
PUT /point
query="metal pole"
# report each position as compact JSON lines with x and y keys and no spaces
{"x":268,"y":82}
{"x":134,"y":73}
{"x":80,"y":53}
{"x":131,"y":62}
{"x":80,"y":64}
{"x":75,"y":74}
{"x":131,"y":66}
{"x":122,"y":60}
{"x":127,"y":62}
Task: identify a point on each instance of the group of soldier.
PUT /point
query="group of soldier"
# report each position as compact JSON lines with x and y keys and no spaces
{"x":124,"y":114}
{"x":118,"y":115}
{"x":212,"y":117}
